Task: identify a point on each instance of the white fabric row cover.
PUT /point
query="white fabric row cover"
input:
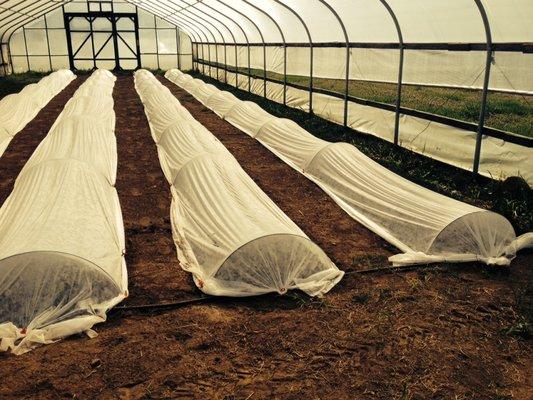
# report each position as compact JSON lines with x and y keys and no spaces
{"x":426,"y":226}
{"x":17,"y":109}
{"x":228,"y":232}
{"x":61,"y":229}
{"x":499,"y":159}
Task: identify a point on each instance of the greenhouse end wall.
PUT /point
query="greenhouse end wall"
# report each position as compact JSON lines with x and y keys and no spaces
{"x":42,"y":45}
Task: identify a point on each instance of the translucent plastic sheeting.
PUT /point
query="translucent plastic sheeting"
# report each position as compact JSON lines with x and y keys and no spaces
{"x":61,"y":230}
{"x":426,"y":226}
{"x":421,"y":21}
{"x":274,"y":22}
{"x":228,"y":233}
{"x":499,"y":159}
{"x":17,"y":109}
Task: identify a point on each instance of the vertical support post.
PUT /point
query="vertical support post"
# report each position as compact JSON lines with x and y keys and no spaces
{"x":91,"y":19}
{"x":347,"y":84}
{"x":9,"y":54}
{"x":249,"y":70}
{"x":137,"y":39}
{"x":26,"y":47}
{"x":178,"y":48}
{"x":66,"y":22}
{"x":399,"y":98}
{"x":48,"y":42}
{"x":347,"y":77}
{"x":2,"y":58}
{"x":203,"y":58}
{"x":216,"y":58}
{"x":486,"y":81}
{"x":284,"y":74}
{"x":156,"y":43}
{"x":400,"y":71}
{"x":225,"y":64}
{"x":236,"y":66}
{"x":115,"y":41}
{"x":297,"y":15}
{"x":194,"y":49}
{"x":264,"y":71}
{"x":209,"y":62}
{"x":311,"y":79}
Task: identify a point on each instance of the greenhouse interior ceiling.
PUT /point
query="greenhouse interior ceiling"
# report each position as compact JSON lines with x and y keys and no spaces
{"x":263,"y":199}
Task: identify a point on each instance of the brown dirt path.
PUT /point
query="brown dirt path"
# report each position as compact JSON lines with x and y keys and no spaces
{"x":153,"y":268}
{"x":349,"y":244}
{"x":434,"y":334}
{"x":24,"y":143}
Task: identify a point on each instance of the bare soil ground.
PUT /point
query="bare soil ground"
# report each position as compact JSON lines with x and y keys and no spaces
{"x":439,"y":333}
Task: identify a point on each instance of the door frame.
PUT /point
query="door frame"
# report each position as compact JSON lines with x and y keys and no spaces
{"x":114,"y":34}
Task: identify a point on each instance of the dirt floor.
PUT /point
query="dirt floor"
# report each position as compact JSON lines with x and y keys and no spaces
{"x":450,"y":332}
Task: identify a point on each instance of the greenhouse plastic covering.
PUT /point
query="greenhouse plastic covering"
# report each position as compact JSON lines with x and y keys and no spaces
{"x":228,"y":233}
{"x":217,"y":25}
{"x":61,"y":230}
{"x":17,"y":109}
{"x":499,"y":158}
{"x":426,"y":226}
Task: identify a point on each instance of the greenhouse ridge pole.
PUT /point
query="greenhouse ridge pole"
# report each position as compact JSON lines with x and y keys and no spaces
{"x":347,"y":78}
{"x":488,"y":62}
{"x":310,"y":51}
{"x":400,"y":72}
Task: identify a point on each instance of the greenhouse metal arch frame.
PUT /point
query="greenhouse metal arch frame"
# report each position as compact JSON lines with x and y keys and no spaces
{"x":489,"y":48}
{"x":190,"y":15}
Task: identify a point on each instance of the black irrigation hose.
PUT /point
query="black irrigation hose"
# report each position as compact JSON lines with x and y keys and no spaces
{"x":206,"y":299}
{"x":400,"y":268}
{"x":171,"y":305}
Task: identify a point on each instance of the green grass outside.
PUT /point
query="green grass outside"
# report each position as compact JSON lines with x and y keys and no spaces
{"x":508,"y":112}
{"x":512,"y":198}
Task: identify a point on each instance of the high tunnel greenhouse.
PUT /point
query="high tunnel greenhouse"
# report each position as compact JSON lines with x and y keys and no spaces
{"x":169,"y":153}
